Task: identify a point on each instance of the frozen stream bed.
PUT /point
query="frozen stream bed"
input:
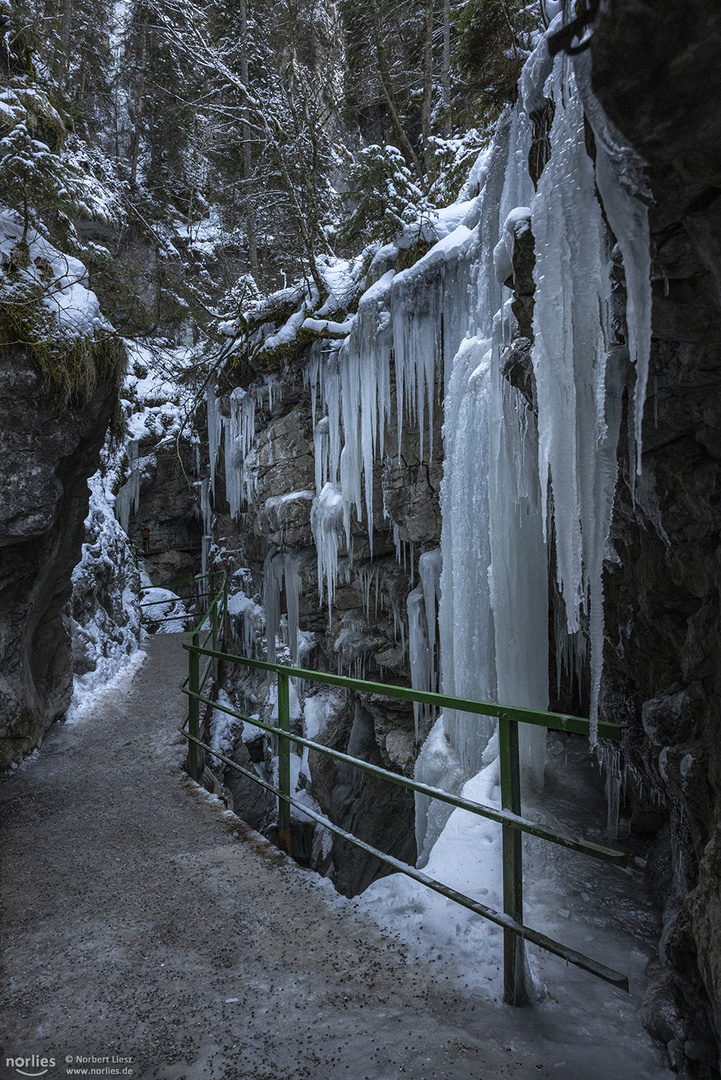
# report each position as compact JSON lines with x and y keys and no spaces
{"x":140,"y":919}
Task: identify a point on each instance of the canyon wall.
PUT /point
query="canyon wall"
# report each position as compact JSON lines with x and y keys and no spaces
{"x":656,"y":71}
{"x":48,"y":451}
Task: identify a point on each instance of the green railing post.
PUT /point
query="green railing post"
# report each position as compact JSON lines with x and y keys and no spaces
{"x":284,"y":761}
{"x":224,"y":633}
{"x":214,"y":621}
{"x":194,"y":707}
{"x":514,"y":987}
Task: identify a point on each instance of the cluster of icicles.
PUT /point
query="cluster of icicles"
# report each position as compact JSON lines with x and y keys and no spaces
{"x":478,"y":620}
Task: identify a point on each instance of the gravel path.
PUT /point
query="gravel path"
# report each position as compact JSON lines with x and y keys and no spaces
{"x":140,"y":920}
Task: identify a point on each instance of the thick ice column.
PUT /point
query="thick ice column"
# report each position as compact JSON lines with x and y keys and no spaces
{"x":128,"y":497}
{"x":215,"y":428}
{"x":572,"y":275}
{"x":467,"y":637}
{"x":519,"y":569}
{"x":240,"y":432}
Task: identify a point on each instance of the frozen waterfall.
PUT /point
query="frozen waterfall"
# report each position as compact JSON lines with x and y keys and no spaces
{"x":520,"y":468}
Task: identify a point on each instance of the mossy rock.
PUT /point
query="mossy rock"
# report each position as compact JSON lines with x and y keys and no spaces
{"x":409,"y":256}
{"x":32,"y":107}
{"x":70,"y":366}
{"x":23,"y":740}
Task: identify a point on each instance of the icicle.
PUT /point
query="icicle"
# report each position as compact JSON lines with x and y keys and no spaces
{"x":240,"y":433}
{"x":629,"y":220}
{"x":321,"y":453}
{"x":609,"y":760}
{"x":215,"y":428}
{"x":429,"y":570}
{"x":291,"y":569}
{"x":272,"y":585}
{"x":572,"y":273}
{"x":206,"y":511}
{"x":127,"y":499}
{"x":326,"y":518}
{"x":623,"y":187}
{"x":604,"y":494}
{"x":418,"y":651}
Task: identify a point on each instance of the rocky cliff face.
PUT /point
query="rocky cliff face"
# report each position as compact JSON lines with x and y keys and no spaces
{"x":48,"y":453}
{"x":362,"y":632}
{"x":656,"y":71}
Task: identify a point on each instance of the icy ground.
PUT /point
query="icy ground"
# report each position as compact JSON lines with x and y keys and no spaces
{"x":160,"y":927}
{"x":601,"y":910}
{"x":88,"y":698}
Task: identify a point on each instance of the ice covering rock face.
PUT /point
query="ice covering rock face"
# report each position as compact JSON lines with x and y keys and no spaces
{"x":272,"y":544}
{"x":640,"y":607}
{"x":104,"y":613}
{"x":48,"y":456}
{"x":443,"y":329}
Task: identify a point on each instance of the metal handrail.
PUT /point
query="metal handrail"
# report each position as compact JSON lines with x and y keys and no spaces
{"x":502,"y":817}
{"x":509,"y":816}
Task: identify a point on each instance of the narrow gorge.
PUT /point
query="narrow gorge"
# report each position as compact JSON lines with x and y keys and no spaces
{"x":480,"y":456}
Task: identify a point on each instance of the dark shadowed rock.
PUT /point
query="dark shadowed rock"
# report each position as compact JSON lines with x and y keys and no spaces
{"x":657,"y":74}
{"x":47,"y":455}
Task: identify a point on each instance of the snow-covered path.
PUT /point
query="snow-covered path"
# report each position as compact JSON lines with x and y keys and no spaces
{"x":140,"y":920}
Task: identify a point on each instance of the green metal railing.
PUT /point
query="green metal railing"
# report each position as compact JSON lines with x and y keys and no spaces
{"x":509,"y":817}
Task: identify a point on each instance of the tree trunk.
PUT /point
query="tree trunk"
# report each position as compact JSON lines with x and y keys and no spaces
{"x":137,"y":112}
{"x":404,"y":143}
{"x":247,"y":156}
{"x":428,"y":90}
{"x":448,"y":126}
{"x":60,"y":60}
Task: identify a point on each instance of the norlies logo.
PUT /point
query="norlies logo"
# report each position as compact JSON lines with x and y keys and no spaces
{"x":30,"y":1066}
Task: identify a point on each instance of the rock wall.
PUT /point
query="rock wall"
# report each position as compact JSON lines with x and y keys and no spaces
{"x":155,"y":478}
{"x":363,"y":633}
{"x":48,"y":454}
{"x":656,"y":71}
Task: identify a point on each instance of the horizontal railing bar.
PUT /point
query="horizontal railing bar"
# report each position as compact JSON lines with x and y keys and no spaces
{"x":502,"y":817}
{"x":556,"y":721}
{"x":499,"y":918}
{"x":212,"y":610}
{"x":173,"y":618}
{"x":172,"y":600}
{"x":183,"y":581}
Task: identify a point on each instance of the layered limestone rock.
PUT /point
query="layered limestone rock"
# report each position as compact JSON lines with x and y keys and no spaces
{"x":362,"y":631}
